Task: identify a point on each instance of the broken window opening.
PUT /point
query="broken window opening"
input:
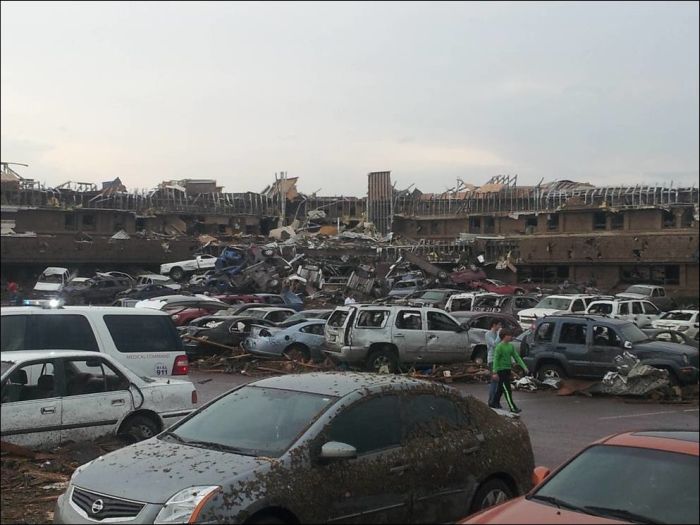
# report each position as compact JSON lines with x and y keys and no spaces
{"x":617,"y":221}
{"x":600,"y":220}
{"x":543,"y":274}
{"x":669,"y":219}
{"x":660,"y":275}
{"x":88,"y":222}
{"x":474,"y":224}
{"x":489,"y":225}
{"x":687,"y":218}
{"x":553,"y":222}
{"x":69,"y":223}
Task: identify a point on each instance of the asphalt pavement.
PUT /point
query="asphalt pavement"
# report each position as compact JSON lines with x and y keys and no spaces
{"x":559,"y":426}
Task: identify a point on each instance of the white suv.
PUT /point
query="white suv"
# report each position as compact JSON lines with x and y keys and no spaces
{"x":555,"y":304}
{"x":641,"y":313}
{"x":383,"y":337}
{"x":142,"y":339}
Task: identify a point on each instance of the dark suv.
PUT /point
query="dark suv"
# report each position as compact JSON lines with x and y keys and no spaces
{"x":586,"y":346}
{"x":100,"y":289}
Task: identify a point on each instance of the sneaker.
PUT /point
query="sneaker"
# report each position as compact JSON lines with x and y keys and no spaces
{"x":516,"y":411}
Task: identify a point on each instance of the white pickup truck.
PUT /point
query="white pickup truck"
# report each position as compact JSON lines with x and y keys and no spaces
{"x":178,"y":270}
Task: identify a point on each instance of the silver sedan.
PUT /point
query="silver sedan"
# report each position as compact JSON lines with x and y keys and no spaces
{"x":300,"y":341}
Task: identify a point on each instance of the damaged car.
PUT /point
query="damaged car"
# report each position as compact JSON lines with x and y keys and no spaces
{"x":313,"y":448}
{"x":51,"y":397}
{"x":300,"y":341}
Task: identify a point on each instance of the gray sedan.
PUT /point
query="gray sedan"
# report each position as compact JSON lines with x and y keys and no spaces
{"x":313,"y":448}
{"x":300,"y":341}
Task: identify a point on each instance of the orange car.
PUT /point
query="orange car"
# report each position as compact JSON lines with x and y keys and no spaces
{"x":634,"y":477}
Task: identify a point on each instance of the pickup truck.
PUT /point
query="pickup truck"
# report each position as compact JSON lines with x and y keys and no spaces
{"x":178,"y":270}
{"x":649,"y":292}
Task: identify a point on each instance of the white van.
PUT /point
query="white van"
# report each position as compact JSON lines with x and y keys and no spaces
{"x":144,"y":340}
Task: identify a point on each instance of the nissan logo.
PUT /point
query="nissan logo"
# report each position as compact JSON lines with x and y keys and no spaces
{"x":97,"y":506}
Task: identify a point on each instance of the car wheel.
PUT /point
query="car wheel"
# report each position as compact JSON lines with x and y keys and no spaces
{"x":380,"y":359}
{"x":139,"y":428}
{"x":550,"y":371}
{"x":267,"y":519}
{"x":479,"y":355}
{"x":493,"y":492}
{"x":177,"y":273}
{"x":298,"y":352}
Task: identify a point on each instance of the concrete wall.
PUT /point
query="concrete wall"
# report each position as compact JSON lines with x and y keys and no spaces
{"x":644,"y":220}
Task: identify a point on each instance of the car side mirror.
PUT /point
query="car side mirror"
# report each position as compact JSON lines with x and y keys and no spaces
{"x":334,"y":450}
{"x":539,"y":475}
{"x":627,"y":345}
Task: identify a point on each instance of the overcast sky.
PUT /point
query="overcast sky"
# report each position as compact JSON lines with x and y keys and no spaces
{"x":598,"y":92}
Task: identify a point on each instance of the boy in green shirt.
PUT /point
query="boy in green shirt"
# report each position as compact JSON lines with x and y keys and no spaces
{"x":503,"y":357}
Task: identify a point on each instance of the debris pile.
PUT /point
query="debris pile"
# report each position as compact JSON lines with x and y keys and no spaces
{"x":31,"y":481}
{"x":635,"y":379}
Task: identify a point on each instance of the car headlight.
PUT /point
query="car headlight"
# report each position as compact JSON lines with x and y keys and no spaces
{"x":185,"y":506}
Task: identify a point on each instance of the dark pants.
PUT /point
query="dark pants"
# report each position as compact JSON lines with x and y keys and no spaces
{"x":504,"y":388}
{"x":493,"y":390}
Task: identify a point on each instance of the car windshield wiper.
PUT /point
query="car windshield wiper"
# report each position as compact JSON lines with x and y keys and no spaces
{"x":607,"y":512}
{"x":218,"y":446}
{"x":561,"y":503}
{"x":174,"y":436}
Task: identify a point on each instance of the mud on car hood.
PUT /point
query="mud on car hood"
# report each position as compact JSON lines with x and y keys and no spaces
{"x":153,"y":470}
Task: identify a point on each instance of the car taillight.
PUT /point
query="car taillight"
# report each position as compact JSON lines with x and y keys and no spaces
{"x":194,"y":397}
{"x":181,"y":366}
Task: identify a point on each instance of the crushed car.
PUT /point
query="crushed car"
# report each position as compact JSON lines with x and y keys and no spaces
{"x":300,"y":341}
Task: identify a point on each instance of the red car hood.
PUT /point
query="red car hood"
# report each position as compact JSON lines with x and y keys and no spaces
{"x":520,"y":510}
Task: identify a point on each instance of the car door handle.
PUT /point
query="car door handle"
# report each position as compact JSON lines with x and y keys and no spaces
{"x":432,"y":337}
{"x":117,"y":402}
{"x":48,"y":410}
{"x":399,"y":335}
{"x":399,"y":470}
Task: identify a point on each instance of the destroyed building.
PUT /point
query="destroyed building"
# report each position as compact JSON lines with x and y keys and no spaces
{"x":547,"y":233}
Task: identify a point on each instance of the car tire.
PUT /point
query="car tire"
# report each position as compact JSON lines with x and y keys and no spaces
{"x":265,"y":519}
{"x":550,"y":371}
{"x":491,"y":493}
{"x":298,"y":352}
{"x":479,"y":355}
{"x":380,"y":358}
{"x":138,"y":428}
{"x":177,"y":273}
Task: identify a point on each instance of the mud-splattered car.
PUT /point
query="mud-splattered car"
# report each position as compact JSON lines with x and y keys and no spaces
{"x":313,"y":448}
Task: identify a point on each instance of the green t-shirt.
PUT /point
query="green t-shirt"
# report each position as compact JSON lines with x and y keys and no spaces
{"x":503,"y":356}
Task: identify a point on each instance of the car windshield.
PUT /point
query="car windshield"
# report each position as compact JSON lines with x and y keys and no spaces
{"x":635,"y":484}
{"x":432,"y":296}
{"x":254,"y":421}
{"x":554,"y":303}
{"x":633,"y":334}
{"x":52,"y":278}
{"x":639,"y":289}
{"x":677,"y":316}
{"x":258,"y":313}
